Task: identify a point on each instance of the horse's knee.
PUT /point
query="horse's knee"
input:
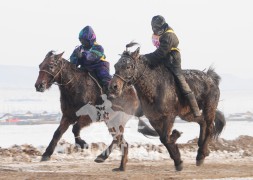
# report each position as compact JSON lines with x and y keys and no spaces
{"x":75,"y":128}
{"x":57,"y":134}
{"x":172,"y":138}
{"x":164,"y":139}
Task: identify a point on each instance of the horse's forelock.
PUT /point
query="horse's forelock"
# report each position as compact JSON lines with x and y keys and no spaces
{"x":131,"y":44}
{"x":126,"y":53}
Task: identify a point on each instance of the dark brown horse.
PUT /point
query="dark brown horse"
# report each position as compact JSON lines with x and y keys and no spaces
{"x":77,"y":88}
{"x":161,"y":100}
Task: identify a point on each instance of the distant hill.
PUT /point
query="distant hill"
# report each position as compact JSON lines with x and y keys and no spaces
{"x":18,"y":76}
{"x":25,"y":77}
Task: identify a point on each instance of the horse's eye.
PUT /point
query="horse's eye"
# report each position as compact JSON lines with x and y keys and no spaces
{"x":51,"y":67}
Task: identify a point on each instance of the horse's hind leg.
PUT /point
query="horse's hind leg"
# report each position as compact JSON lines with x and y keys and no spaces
{"x":205,"y":135}
{"x":202,"y":133}
{"x":82,"y":122}
{"x":64,"y":124}
{"x":163,"y":128}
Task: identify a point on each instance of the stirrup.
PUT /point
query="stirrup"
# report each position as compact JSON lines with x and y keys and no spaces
{"x":198,"y":114}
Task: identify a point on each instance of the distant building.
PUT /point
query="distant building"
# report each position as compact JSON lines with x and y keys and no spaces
{"x":28,"y":114}
{"x":248,"y":116}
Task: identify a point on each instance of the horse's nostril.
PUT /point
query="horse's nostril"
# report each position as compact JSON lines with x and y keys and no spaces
{"x":39,"y":87}
{"x":115,"y":87}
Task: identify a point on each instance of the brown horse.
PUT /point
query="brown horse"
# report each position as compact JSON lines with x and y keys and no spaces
{"x":77,"y":88}
{"x":161,"y":100}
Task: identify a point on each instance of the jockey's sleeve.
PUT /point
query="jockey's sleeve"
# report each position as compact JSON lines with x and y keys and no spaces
{"x":95,"y":53}
{"x":166,"y":44}
{"x":73,"y":58}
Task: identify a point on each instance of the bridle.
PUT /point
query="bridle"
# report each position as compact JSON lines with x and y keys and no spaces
{"x":129,"y":82}
{"x":55,"y":75}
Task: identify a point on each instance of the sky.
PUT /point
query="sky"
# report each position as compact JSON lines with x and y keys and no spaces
{"x":216,"y":32}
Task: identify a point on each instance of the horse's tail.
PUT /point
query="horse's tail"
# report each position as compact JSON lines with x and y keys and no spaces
{"x":216,"y":78}
{"x":219,"y":124}
{"x":144,"y":129}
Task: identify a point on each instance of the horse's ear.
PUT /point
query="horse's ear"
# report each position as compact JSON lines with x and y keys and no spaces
{"x":136,"y":53}
{"x":50,"y":53}
{"x":59,"y":56}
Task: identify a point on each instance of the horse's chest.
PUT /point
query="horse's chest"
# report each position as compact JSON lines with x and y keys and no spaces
{"x":158,"y":107}
{"x":150,"y":110}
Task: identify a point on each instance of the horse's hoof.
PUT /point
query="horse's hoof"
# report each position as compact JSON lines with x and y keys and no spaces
{"x":199,"y":162}
{"x":99,"y":160}
{"x":208,"y":152}
{"x":81,"y":143}
{"x":119,"y":169}
{"x":45,"y":158}
{"x":84,"y":146}
{"x":179,"y":167}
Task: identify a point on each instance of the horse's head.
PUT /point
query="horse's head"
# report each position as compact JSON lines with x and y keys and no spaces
{"x":49,"y":72}
{"x":125,"y":71}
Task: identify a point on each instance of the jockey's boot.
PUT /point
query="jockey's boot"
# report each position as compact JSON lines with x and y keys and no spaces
{"x":105,"y":88}
{"x":193,"y":104}
{"x":186,"y":90}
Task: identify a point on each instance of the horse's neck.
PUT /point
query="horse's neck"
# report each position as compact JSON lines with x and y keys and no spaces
{"x":69,"y":79}
{"x":142,"y":80}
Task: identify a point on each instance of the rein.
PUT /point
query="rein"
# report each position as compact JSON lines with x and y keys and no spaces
{"x":140,"y":76}
{"x":94,"y":79}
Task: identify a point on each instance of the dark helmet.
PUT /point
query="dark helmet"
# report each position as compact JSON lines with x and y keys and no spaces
{"x":158,"y":24}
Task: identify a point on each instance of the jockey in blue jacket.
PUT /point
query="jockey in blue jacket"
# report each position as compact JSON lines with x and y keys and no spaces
{"x":90,"y":56}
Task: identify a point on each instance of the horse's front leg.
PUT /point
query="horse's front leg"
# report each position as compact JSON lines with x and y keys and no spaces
{"x":123,"y":145}
{"x":163,"y":128}
{"x":124,"y":150}
{"x":118,"y":140}
{"x":64,"y":124}
{"x":106,"y":153}
{"x":81,"y":122}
